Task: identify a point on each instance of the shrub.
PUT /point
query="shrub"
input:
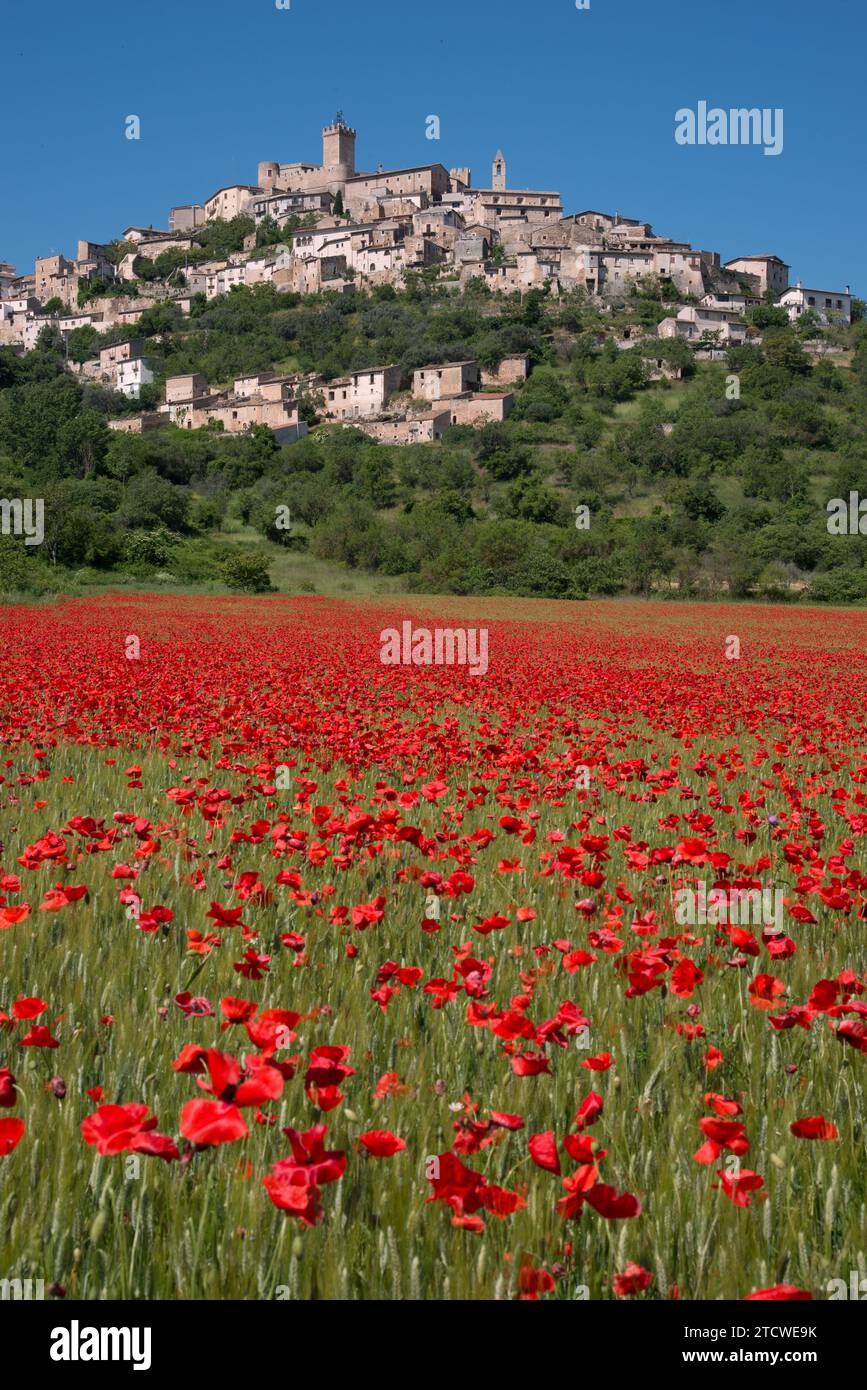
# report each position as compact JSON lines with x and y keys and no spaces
{"x":246,"y":571}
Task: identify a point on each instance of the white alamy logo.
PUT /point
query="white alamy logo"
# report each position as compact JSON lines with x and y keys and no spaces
{"x":738,"y":126}
{"x":22,"y":1289}
{"x":847,"y":518}
{"x":737,"y":907}
{"x":445,"y":646}
{"x":857,"y":1288}
{"x":23,"y":516}
{"x":76,"y":1343}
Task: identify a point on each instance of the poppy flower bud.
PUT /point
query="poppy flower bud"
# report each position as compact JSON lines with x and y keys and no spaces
{"x":8,"y":1094}
{"x":57,"y":1086}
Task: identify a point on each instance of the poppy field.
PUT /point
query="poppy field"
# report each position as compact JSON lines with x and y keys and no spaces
{"x":324,"y":978}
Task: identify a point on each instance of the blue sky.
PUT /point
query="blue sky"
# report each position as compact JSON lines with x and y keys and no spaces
{"x":581,"y":101}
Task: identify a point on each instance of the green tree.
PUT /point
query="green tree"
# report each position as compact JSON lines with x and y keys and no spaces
{"x":82,"y":443}
{"x":782,"y":349}
{"x":151,"y":501}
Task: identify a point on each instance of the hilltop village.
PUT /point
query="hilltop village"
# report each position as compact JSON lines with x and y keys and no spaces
{"x":329,"y":226}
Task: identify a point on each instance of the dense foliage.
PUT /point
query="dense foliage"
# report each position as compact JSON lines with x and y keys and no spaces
{"x":693,"y":485}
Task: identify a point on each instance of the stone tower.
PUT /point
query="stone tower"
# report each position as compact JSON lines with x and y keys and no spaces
{"x":498,"y":171}
{"x":338,"y":150}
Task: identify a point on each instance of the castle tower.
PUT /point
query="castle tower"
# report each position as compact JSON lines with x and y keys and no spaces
{"x":268,"y":174}
{"x":338,"y":150}
{"x":498,"y":171}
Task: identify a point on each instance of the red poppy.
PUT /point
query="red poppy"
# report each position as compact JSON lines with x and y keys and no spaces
{"x":310,"y":1155}
{"x":530,"y":1064}
{"x":737,"y":1186}
{"x":296,"y":1194}
{"x":252,"y":1084}
{"x":814,"y":1127}
{"x":532,"y":1282}
{"x":11,"y":1130}
{"x":9,"y":916}
{"x":498,"y":1117}
{"x":588,"y":1111}
{"x":211,"y":1122}
{"x":38,"y":1036}
{"x":634,"y":1279}
{"x":115,"y":1129}
{"x":599,"y":1063}
{"x":28,"y":1008}
{"x":381,"y":1143}
{"x":543,"y":1151}
{"x":783,"y":1292}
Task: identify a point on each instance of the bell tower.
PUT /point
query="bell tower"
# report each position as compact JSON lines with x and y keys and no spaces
{"x":498,"y":171}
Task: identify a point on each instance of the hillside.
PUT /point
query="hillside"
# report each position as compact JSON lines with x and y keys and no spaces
{"x":700,"y":477}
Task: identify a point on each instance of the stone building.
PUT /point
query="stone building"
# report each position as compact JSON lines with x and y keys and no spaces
{"x":137,"y":424}
{"x":770,"y":273}
{"x":7,"y":279}
{"x":337,"y":174}
{"x":695,"y":321}
{"x":482,"y":408}
{"x":109,"y":357}
{"x":262,"y":398}
{"x":56,"y":278}
{"x":361,"y":393}
{"x":441,"y":379}
{"x":184,"y":389}
{"x":511,"y":370}
{"x":231,"y":202}
{"x":329,"y":176}
{"x":421,"y":427}
{"x":281,"y":206}
{"x":186,"y":218}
